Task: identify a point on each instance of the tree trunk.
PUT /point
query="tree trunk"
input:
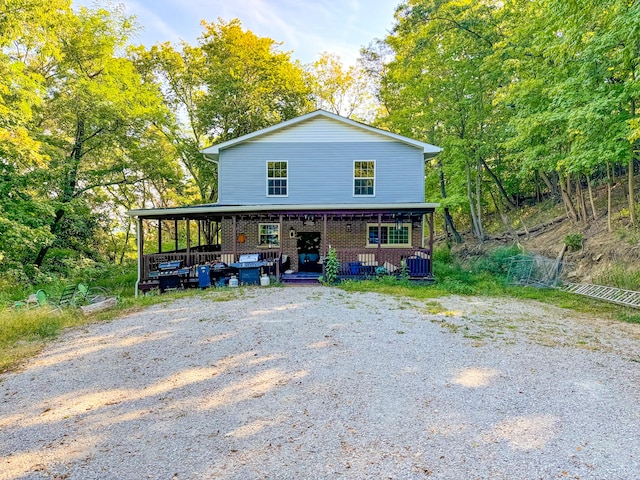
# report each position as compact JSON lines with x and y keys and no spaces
{"x":126,"y":240}
{"x":479,"y":199}
{"x":632,"y":191}
{"x":448,"y":220}
{"x":582,"y":206}
{"x":474,"y":221}
{"x":495,"y":178}
{"x":566,"y":198}
{"x":553,"y":187}
{"x":594,"y":213}
{"x":68,"y":188}
{"x":609,"y":187}
{"x":505,"y":220}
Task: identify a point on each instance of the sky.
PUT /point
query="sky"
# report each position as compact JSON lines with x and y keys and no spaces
{"x":305,"y":27}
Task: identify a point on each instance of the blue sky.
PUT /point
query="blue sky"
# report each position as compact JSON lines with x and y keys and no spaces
{"x":304,"y":27}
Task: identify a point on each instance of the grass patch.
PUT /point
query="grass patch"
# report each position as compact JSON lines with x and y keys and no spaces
{"x":23,"y":333}
{"x":486,"y":277}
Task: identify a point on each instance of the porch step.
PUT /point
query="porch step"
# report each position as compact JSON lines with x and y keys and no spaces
{"x":300,"y":278}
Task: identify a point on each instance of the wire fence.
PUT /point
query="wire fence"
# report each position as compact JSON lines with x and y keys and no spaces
{"x":534,"y":270}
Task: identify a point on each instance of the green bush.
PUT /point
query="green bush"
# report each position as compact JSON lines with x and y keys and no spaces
{"x":497,"y":261}
{"x":332,"y":267}
{"x":573,"y":241}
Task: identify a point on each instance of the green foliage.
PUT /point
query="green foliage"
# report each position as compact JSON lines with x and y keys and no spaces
{"x":620,"y":276}
{"x":250,"y":84}
{"x":339,"y":89}
{"x":497,"y":261}
{"x":332,"y":267}
{"x":573,"y":241}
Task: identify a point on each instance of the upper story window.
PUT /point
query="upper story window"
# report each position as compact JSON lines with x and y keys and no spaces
{"x":364,"y":178}
{"x":277,"y":179}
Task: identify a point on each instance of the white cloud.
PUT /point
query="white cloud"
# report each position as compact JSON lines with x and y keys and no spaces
{"x":307,"y":28}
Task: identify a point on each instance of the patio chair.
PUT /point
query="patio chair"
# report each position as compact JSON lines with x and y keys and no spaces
{"x":85,"y":295}
{"x":43,"y":300}
{"x":65,"y":299}
{"x":34,"y":300}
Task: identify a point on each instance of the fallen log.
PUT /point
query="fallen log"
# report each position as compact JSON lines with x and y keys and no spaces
{"x":530,"y":231}
{"x":98,"y":306}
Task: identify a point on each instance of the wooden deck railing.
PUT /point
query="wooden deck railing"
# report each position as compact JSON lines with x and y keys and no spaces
{"x":150,"y":262}
{"x":353,"y":262}
{"x":359,"y":262}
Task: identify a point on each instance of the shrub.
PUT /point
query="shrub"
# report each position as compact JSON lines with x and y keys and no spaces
{"x":573,"y":241}
{"x":497,"y":261}
{"x":332,"y":267}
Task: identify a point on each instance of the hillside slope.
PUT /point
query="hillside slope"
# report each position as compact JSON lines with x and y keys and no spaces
{"x":602,"y":257}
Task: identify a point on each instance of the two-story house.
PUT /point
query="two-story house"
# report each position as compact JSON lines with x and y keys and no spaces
{"x":291,"y":191}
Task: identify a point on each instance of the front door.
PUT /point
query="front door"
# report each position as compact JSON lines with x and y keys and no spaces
{"x":309,"y":244}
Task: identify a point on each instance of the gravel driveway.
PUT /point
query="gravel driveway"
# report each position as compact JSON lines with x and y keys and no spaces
{"x":316,"y":383}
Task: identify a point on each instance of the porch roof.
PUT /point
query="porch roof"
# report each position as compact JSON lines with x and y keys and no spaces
{"x":211,"y":210}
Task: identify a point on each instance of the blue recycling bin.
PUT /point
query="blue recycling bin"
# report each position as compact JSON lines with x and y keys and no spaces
{"x":204,"y":277}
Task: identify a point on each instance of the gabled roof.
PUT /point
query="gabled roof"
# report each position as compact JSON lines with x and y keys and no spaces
{"x":212,"y":152}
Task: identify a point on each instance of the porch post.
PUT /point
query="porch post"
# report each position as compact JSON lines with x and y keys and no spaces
{"x":279,"y":259}
{"x":324,"y":235}
{"x":175,"y":233}
{"x":431,"y":242}
{"x":188,"y":243}
{"x":235,"y":237}
{"x":159,"y":235}
{"x":140,"y":245}
{"x":379,"y":253}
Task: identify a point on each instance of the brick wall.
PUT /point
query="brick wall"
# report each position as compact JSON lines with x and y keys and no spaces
{"x":341,"y":234}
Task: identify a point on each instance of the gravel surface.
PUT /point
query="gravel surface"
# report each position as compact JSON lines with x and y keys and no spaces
{"x":313,"y":382}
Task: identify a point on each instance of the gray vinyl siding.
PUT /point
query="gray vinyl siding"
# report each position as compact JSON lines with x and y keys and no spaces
{"x":320,"y":172}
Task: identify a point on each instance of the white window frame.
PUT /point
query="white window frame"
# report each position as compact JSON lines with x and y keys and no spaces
{"x":278,"y":234}
{"x":286,"y":179}
{"x":406,"y":225}
{"x":353,"y":184}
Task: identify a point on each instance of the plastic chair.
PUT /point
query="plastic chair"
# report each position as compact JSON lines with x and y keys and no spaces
{"x":85,"y":295}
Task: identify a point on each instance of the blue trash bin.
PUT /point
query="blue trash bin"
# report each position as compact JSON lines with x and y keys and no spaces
{"x":204,"y":277}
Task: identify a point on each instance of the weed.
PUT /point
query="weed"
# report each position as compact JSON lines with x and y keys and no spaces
{"x":573,"y":241}
{"x":621,"y":277}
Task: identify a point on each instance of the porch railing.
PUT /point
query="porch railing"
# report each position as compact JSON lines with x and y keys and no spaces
{"x":356,"y":262}
{"x":363,"y":262}
{"x":150,"y":261}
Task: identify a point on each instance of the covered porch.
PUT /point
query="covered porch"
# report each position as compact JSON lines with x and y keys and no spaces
{"x":289,"y":239}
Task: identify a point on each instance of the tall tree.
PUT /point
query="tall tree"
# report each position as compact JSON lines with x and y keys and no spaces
{"x":437,"y":85}
{"x":343,"y":90}
{"x":98,"y":123}
{"x":179,"y":74}
{"x":250,"y":83}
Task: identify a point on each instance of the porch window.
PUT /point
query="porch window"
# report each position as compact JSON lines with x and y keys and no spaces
{"x":269,"y":234}
{"x":364,"y":178}
{"x":390,"y":235}
{"x":277,"y":179}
